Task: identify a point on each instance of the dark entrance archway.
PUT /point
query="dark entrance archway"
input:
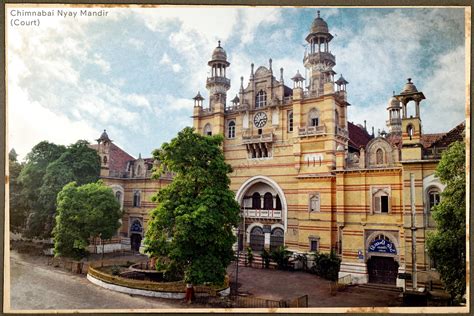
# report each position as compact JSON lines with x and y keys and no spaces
{"x":257,"y":239}
{"x":382,"y":270}
{"x":276,"y":238}
{"x":135,"y":241}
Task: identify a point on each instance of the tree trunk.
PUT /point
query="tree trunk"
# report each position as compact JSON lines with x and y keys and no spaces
{"x":189,"y":293}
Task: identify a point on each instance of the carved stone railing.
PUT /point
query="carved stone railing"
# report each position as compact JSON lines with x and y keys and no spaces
{"x":218,"y":80}
{"x":311,"y":130}
{"x":319,"y":57}
{"x":269,"y":214}
{"x":342,"y":132}
{"x":263,"y":138}
{"x":311,"y":94}
{"x":433,"y":153}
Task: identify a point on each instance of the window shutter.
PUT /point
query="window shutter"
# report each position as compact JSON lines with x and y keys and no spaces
{"x":377,"y":204}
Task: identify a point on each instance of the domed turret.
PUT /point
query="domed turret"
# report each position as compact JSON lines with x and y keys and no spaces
{"x":103,"y":137}
{"x":218,"y":84}
{"x":318,"y":60}
{"x":218,"y":55}
{"x":393,"y":103}
{"x":409,"y":87}
{"x":319,"y":25}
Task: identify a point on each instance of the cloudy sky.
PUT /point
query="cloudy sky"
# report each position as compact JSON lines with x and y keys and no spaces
{"x":134,"y":71}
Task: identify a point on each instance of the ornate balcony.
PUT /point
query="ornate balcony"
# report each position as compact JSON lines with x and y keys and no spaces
{"x":267,"y":214}
{"x":311,"y":131}
{"x":218,"y":80}
{"x":253,"y":139}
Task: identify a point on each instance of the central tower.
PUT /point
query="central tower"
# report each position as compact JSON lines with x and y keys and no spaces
{"x":319,"y":61}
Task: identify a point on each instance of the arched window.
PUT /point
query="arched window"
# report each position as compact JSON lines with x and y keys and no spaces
{"x":256,"y":204}
{"x":257,"y":239}
{"x":380,"y":201}
{"x":231,"y":129}
{"x":261,"y":99}
{"x":290,"y":121}
{"x":139,"y":170}
{"x":314,"y":203}
{"x":379,"y":156}
{"x":278,"y":203}
{"x":268,"y":201}
{"x":433,"y":198}
{"x":313,"y":117}
{"x":136,"y":199}
{"x":118,"y":196}
{"x":105,"y":160}
{"x":208,"y":129}
{"x":336,"y":118}
{"x":276,"y":238}
{"x":410,"y":131}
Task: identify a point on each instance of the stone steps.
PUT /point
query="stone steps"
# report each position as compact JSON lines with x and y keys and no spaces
{"x":381,"y":287}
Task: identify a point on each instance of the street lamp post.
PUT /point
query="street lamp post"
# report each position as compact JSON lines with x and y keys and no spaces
{"x":238,"y":250}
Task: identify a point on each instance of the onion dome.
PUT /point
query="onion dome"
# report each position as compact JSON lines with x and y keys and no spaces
{"x":341,"y":81}
{"x":198,"y":97}
{"x":409,"y":88}
{"x":219,"y":55}
{"x":319,"y":25}
{"x":298,"y":77}
{"x":104,"y":137}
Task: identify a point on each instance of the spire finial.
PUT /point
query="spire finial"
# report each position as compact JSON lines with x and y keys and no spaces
{"x":218,"y":43}
{"x":270,"y":63}
{"x":318,"y":13}
{"x":409,"y":80}
{"x":393,"y":91}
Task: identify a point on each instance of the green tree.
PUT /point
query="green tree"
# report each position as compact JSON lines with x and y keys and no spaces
{"x":31,"y":180}
{"x":192,"y":224}
{"x":18,"y":207}
{"x":78,"y":163}
{"x":86,"y":211}
{"x":447,"y":245}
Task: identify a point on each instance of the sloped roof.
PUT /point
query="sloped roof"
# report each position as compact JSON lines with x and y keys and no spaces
{"x":456,"y":134}
{"x":428,"y":139}
{"x":358,"y":136}
{"x":118,"y":158}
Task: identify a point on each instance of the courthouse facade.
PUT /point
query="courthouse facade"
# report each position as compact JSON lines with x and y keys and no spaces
{"x":304,"y":175}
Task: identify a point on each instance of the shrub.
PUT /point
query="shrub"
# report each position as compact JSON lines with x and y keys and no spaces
{"x":265,"y":258}
{"x":249,"y":259}
{"x":115,"y":270}
{"x":326,"y":265}
{"x":281,"y":256}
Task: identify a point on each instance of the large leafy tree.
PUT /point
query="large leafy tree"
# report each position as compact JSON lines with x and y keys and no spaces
{"x":49,"y":167}
{"x":90,"y":210}
{"x":191,"y":228}
{"x":78,"y":163}
{"x":31,"y":180}
{"x":447,"y":245}
{"x":18,"y":207}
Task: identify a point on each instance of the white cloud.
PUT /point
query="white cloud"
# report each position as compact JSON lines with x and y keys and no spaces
{"x":166,"y":60}
{"x":30,"y":122}
{"x":445,"y":92}
{"x":103,"y":64}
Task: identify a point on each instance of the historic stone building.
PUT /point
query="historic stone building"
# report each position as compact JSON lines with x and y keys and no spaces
{"x":130,"y":179}
{"x":307,"y":178}
{"x":304,"y":175}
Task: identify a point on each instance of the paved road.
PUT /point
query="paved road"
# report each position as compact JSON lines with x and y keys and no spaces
{"x":36,"y":286}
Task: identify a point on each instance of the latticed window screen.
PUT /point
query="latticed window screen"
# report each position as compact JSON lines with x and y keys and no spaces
{"x":231,"y":130}
{"x":261,"y":99}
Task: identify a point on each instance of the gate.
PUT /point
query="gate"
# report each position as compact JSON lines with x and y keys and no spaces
{"x":257,"y":239}
{"x":382,"y":270}
{"x":276,"y":239}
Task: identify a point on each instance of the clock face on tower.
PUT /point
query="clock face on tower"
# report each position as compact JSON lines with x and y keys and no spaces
{"x":260,"y":119}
